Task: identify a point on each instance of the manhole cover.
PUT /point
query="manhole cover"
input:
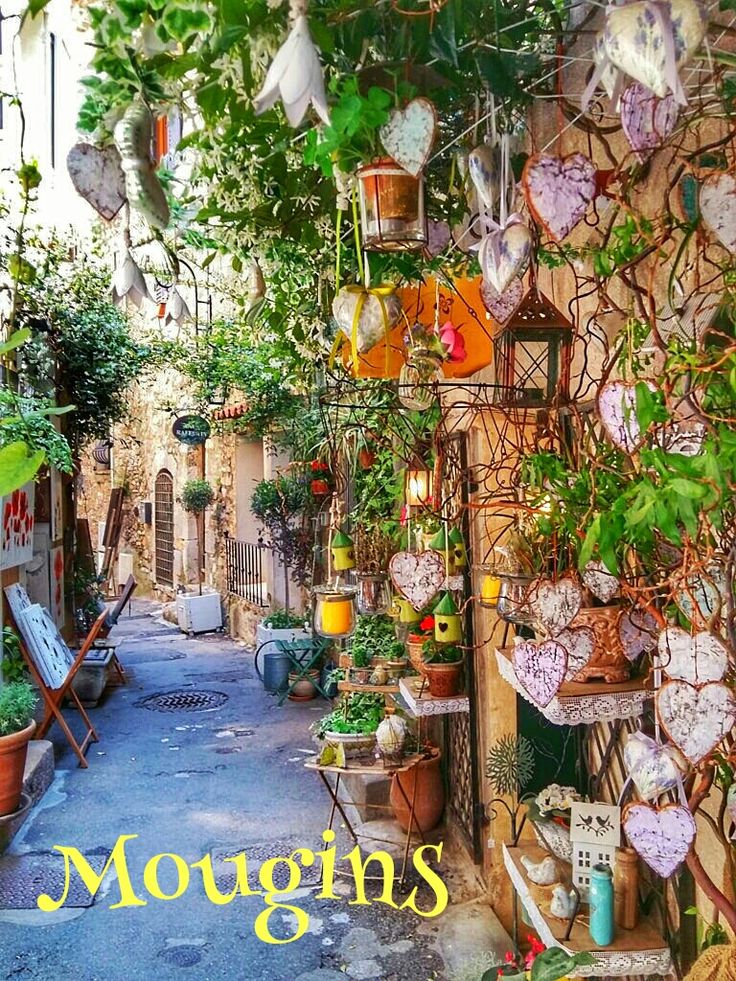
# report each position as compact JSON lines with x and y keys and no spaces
{"x":23,"y":878}
{"x":257,"y":854}
{"x":183,"y":955}
{"x":184,"y":700}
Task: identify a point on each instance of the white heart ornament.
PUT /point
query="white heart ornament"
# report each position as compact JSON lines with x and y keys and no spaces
{"x":635,"y":40}
{"x":637,"y":631}
{"x":696,"y":719}
{"x":483,"y":167}
{"x":718,"y":208}
{"x":376,"y":316}
{"x":696,"y":659}
{"x":617,"y":412}
{"x":409,"y":134}
{"x":579,"y":642}
{"x":98,"y":177}
{"x":540,"y":669}
{"x":501,"y":306}
{"x":418,"y":578}
{"x":602,"y":584}
{"x":504,"y":254}
{"x":652,"y":767}
{"x":555,"y":604}
{"x":558,"y":191}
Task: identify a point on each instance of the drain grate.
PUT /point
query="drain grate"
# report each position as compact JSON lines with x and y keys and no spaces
{"x":24,"y":877}
{"x":184,"y":700}
{"x":183,"y":955}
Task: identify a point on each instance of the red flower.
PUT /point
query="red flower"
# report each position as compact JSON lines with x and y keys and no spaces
{"x":427,"y":623}
{"x":403,"y":515}
{"x":15,"y":501}
{"x":318,"y":465}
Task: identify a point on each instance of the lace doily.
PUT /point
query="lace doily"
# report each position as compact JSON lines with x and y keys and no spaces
{"x":426,"y":704}
{"x":574,"y":710}
{"x":614,"y":963}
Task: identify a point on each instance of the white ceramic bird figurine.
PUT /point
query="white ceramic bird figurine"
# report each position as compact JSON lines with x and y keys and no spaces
{"x":295,"y":75}
{"x":544,"y":873}
{"x":562,"y":903}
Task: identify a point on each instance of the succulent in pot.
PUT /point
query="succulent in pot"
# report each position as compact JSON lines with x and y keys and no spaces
{"x":17,"y":701}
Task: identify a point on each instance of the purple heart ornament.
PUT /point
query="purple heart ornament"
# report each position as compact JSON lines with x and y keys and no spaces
{"x":501,"y":306}
{"x":558,"y":191}
{"x":646,"y":120}
{"x":540,"y":669}
{"x":662,"y":838}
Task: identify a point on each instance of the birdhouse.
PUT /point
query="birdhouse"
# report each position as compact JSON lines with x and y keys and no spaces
{"x":533,"y":354}
{"x":448,"y":623}
{"x":391,"y":207}
{"x":595,"y":834}
{"x":458,"y":554}
{"x":343,"y":552}
{"x":407,"y":613}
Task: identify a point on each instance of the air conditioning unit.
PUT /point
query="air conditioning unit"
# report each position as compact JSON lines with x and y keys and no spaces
{"x":199,"y":614}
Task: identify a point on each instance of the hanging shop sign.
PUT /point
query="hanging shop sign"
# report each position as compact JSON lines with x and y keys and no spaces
{"x":191,"y":430}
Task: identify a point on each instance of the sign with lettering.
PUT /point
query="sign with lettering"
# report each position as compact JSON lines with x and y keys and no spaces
{"x":191,"y":430}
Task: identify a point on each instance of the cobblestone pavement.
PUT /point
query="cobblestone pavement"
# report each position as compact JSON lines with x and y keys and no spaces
{"x":223,"y":780}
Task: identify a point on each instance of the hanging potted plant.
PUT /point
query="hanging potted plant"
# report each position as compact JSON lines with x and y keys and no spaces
{"x":17,"y":701}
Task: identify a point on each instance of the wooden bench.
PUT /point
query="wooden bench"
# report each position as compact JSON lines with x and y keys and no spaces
{"x":52,"y":665}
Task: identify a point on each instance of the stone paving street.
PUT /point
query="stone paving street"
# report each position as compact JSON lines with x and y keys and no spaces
{"x":224,"y":781}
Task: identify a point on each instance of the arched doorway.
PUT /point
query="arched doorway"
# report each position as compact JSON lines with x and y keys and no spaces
{"x":164,"y":528}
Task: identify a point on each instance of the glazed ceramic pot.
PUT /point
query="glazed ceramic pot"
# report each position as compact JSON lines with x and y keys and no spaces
{"x":429,"y":802}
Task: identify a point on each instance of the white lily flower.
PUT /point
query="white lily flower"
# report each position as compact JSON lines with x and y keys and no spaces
{"x":128,"y":282}
{"x":295,"y":76}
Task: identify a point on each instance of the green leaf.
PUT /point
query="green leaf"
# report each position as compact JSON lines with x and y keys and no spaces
{"x":183,"y":22}
{"x":590,"y":542}
{"x":18,"y":465}
{"x":554,"y":963}
{"x":442,"y":41}
{"x":36,"y":6}
{"x":17,"y":338}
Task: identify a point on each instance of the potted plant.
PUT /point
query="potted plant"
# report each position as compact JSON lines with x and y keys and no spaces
{"x":442,"y":666}
{"x":281,"y":624}
{"x":17,"y":701}
{"x":416,"y":638}
{"x":198,"y":613}
{"x":422,"y":783}
{"x":351,"y":727}
{"x":373,"y":644}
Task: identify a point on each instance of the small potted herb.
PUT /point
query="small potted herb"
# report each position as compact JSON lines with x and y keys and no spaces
{"x":351,"y":726}
{"x":442,"y":665}
{"x":17,"y":701}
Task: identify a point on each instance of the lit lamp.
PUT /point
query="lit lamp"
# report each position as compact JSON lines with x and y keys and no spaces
{"x":418,"y":484}
{"x":334,"y":611}
{"x":448,"y":623}
{"x":488,"y":585}
{"x":391,"y":207}
{"x":343,"y":552}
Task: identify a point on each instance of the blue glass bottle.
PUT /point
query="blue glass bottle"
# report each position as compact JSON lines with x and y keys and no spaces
{"x":601,"y":905}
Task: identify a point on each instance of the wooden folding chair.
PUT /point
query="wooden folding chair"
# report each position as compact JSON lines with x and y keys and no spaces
{"x":112,"y":618}
{"x":52,"y":665}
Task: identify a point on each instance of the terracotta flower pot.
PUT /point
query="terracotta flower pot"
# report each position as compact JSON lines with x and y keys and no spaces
{"x":609,"y":662}
{"x":366,"y":458}
{"x":429,"y":802}
{"x":444,"y":679}
{"x":13,"y":750}
{"x":414,"y":644}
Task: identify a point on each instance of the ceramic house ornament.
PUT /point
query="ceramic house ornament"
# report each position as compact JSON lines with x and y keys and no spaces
{"x":295,"y":75}
{"x":661,"y":836}
{"x":133,"y":136}
{"x":718,"y":208}
{"x":448,"y":623}
{"x":409,"y":134}
{"x":343,"y":552}
{"x":558,"y":191}
{"x":417,"y":578}
{"x":595,"y":833}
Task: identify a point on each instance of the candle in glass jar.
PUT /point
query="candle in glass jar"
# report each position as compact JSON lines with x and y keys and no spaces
{"x":336,"y":617}
{"x":489,"y":589}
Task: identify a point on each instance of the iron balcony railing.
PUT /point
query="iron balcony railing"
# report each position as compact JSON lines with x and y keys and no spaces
{"x":244,"y":561}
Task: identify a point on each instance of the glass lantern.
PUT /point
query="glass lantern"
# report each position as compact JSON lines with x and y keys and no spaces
{"x":335,"y":611}
{"x":391,"y":207}
{"x":487,"y":584}
{"x":418,"y":377}
{"x":374,"y":595}
{"x":418,"y":484}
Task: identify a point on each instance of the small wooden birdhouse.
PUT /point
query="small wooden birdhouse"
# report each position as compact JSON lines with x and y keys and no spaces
{"x":533,"y":354}
{"x":448,"y":623}
{"x":343,"y":552}
{"x":406,"y":612}
{"x":595,"y":834}
{"x":458,"y":553}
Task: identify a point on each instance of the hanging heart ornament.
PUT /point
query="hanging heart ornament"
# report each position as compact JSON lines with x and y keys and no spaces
{"x":617,"y":412}
{"x":558,"y":191}
{"x":98,"y":177}
{"x":504,"y":253}
{"x":417,"y":577}
{"x":653,"y":768}
{"x":555,"y":604}
{"x":647,"y":120}
{"x":409,"y":134}
{"x":696,"y":719}
{"x":661,"y":837}
{"x":718,"y":207}
{"x":651,"y":39}
{"x":366,"y":314}
{"x":540,"y":669}
{"x":637,"y":631}
{"x":696,"y":659}
{"x":579,"y":642}
{"x":501,"y":306}
{"x":484,"y":170}
{"x":602,"y":584}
